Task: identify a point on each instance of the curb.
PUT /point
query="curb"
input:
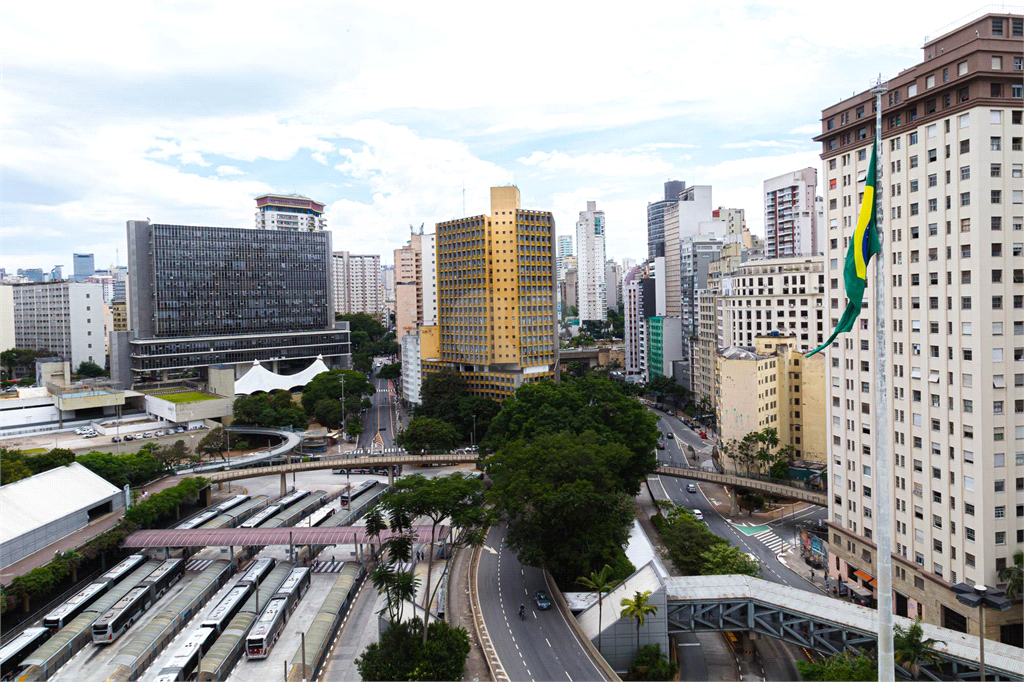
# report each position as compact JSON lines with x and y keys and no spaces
{"x":574,"y":625}
{"x":490,"y":656}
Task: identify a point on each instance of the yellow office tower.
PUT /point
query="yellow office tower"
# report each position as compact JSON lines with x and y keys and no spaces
{"x":496,"y":297}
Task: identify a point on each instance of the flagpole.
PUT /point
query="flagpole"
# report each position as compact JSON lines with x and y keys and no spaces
{"x":883,"y":469}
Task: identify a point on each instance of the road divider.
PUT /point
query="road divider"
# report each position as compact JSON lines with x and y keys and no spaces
{"x":497,"y":670}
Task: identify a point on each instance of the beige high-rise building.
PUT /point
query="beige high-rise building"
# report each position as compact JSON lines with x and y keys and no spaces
{"x":356,"y":282}
{"x":409,"y":286}
{"x":952,"y":229}
{"x":772,"y":385}
{"x":496,"y":297}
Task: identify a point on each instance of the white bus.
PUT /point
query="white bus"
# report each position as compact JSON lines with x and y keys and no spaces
{"x":119,"y":617}
{"x":228,"y":607}
{"x":259,"y":518}
{"x":19,"y":648}
{"x":69,"y":610}
{"x":259,"y":570}
{"x":197,"y":521}
{"x":230,"y":503}
{"x":267,"y":629}
{"x":316,"y":518}
{"x":118,"y":572}
{"x":185,"y":660}
{"x":293,"y":587}
{"x":291,"y":498}
{"x":355,"y":492}
{"x":165,"y":575}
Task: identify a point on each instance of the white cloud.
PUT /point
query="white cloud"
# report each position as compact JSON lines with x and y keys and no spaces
{"x":229,"y":170}
{"x":610,"y":163}
{"x":811,"y":129}
{"x":753,"y":144}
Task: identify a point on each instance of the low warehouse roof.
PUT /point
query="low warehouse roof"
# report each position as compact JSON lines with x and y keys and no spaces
{"x":38,"y":500}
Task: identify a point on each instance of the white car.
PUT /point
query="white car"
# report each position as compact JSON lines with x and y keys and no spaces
{"x":82,"y":430}
{"x":159,"y":433}
{"x":698,"y":514}
{"x":90,"y":434}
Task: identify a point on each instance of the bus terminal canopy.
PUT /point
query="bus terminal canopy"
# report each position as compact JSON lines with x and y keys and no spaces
{"x":263,"y":537}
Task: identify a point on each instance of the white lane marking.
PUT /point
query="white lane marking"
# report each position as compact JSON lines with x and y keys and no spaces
{"x":549,"y":643}
{"x":568,"y":675}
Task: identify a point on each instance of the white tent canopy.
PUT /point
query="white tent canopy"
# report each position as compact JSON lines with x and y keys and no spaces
{"x":259,"y":378}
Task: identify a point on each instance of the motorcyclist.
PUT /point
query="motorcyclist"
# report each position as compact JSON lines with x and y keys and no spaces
{"x":522,"y":611}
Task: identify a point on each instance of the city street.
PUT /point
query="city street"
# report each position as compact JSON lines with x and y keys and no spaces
{"x":543,"y":646}
{"x":382,"y":414}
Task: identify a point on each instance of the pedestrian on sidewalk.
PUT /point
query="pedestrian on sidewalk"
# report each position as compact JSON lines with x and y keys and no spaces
{"x":812,"y":575}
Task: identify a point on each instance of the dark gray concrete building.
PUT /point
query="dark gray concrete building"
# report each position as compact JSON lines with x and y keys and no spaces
{"x":201,"y":296}
{"x":656,"y":218}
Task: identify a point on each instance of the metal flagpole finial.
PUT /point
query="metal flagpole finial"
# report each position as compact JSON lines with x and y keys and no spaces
{"x":877,"y":87}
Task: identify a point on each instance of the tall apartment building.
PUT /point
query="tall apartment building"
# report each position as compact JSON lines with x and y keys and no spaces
{"x":568,"y":294}
{"x":83,"y":265}
{"x":696,"y":253}
{"x":201,"y":296}
{"x":645,"y":299}
{"x":613,"y":284}
{"x":656,"y":218}
{"x":784,"y":295}
{"x":564,"y":249}
{"x":356,"y":281}
{"x":952,"y":227}
{"x":772,"y":385}
{"x":6,"y":318}
{"x":289,"y":212}
{"x":791,"y":221}
{"x":496,"y":296}
{"x":590,"y":256}
{"x":65,"y":318}
{"x":409,"y":286}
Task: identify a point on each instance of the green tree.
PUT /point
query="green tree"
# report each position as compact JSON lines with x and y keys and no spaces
{"x":57,"y":457}
{"x":602,"y":582}
{"x":564,"y":501}
{"x":843,"y":667}
{"x":582,"y":341}
{"x":638,"y":608}
{"x":389,"y":577}
{"x":402,"y":653}
{"x":424,"y":433}
{"x":363,"y":329}
{"x":355,"y":426}
{"x":170,"y":455}
{"x":12,"y":466}
{"x":329,"y":385}
{"x":1012,"y":575}
{"x":651,"y":664}
{"x":911,"y":649}
{"x":392,"y":371}
{"x":213,"y":444}
{"x":590,"y":403}
{"x":90,"y":370}
{"x":456,"y":498}
{"x":329,"y":412}
{"x":722,"y":559}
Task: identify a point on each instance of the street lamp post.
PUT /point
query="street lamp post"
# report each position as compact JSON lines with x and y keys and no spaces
{"x":979,"y":596}
{"x":344,"y":415}
{"x":474,"y":430}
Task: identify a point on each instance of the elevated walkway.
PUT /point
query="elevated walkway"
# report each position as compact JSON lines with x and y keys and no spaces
{"x":755,"y":607}
{"x":289,"y":441}
{"x":340,"y":462}
{"x":772,"y":486}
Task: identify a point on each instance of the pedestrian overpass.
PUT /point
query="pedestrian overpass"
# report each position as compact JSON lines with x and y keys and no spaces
{"x":771,"y":486}
{"x":751,"y":608}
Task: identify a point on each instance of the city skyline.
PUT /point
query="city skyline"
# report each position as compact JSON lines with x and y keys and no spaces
{"x":384,"y":162}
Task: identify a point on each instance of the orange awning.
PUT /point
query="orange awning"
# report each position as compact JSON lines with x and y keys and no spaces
{"x":867,"y":579}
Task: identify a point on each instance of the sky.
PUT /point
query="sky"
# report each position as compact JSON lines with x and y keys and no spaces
{"x":405,"y":113}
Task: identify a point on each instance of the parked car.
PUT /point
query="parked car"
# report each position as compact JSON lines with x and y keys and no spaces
{"x":91,"y":434}
{"x":115,"y":439}
{"x":81,"y":429}
{"x":542,"y":600}
{"x":180,"y":429}
{"x":691,"y":488}
{"x":129,"y":437}
{"x":704,"y":435}
{"x":147,"y":434}
{"x":159,"y":433}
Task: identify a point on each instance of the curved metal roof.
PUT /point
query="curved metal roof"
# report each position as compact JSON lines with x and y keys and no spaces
{"x":261,"y":537}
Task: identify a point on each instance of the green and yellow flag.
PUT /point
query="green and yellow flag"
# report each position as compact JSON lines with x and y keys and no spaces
{"x":863,"y":246}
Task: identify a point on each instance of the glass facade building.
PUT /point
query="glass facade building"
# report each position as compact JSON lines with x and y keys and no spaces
{"x":210,"y":295}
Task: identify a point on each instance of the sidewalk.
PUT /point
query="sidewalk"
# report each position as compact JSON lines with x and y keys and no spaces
{"x":459,"y":613}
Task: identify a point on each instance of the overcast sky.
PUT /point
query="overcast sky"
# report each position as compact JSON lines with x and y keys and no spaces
{"x":182,"y":112}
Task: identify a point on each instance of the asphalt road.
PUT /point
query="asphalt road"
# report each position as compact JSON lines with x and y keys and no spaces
{"x":543,"y":647}
{"x":382,"y":414}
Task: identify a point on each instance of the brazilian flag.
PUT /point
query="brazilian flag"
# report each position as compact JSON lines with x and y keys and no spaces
{"x":863,"y":246}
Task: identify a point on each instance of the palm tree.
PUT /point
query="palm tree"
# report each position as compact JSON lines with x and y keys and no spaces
{"x":638,"y":609}
{"x":1012,"y":575}
{"x":602,"y":583}
{"x":912,"y":648}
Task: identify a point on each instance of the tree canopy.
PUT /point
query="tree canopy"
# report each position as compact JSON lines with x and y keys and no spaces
{"x":16,"y":465}
{"x":90,"y":370}
{"x":846,"y":666}
{"x":425,"y":433}
{"x":130,"y":468}
{"x":392,"y":371}
{"x":588,"y":404}
{"x":445,"y":396}
{"x":329,"y":385}
{"x":401,"y":653}
{"x":275,"y":409}
{"x":564,"y":502}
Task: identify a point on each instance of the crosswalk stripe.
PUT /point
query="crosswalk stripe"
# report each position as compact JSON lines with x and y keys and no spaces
{"x":197,"y":564}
